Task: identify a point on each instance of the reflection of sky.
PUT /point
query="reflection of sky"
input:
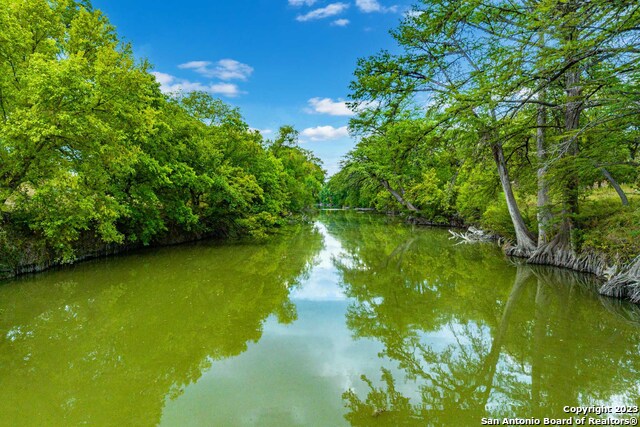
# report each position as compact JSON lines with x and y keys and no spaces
{"x":323,"y":279}
{"x":296,"y":374}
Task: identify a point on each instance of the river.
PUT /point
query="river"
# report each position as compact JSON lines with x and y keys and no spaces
{"x":357,"y":319}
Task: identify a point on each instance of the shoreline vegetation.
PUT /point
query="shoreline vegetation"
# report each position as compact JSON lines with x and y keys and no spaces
{"x":619,"y":276}
{"x":520,"y":118}
{"x":95,"y":159}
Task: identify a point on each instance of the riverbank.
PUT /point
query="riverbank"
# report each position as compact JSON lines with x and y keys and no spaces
{"x":608,"y":241}
{"x":619,"y":279}
{"x":318,"y":319}
{"x":607,"y":238}
{"x":29,"y":256}
{"x":23,"y":256}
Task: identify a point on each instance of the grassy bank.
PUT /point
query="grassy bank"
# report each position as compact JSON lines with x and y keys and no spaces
{"x":604,"y":225}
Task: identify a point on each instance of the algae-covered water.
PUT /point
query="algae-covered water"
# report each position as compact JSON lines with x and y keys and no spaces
{"x":358,"y":319}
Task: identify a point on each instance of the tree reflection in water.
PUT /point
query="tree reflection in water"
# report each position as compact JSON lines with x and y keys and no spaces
{"x":474,"y":337}
{"x":109,"y":341}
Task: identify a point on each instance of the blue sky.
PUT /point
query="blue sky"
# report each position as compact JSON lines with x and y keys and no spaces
{"x":280,"y":61}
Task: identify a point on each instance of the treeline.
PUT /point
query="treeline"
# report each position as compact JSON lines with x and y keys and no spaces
{"x":90,"y":149}
{"x":509,"y":114}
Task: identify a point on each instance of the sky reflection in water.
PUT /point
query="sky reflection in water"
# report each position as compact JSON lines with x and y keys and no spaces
{"x":359,"y":320}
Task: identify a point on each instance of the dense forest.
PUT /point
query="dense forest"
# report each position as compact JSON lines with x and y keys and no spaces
{"x":519,"y":116}
{"x":93,"y":155}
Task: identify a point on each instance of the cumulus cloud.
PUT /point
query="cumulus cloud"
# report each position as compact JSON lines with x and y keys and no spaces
{"x":302,"y":2}
{"x":225,"y":69}
{"x":324,"y":133}
{"x":170,"y":84}
{"x":340,"y":22}
{"x":370,"y":6}
{"x":163,"y":78}
{"x":332,"y":9}
{"x":227,"y":89}
{"x":329,"y":106}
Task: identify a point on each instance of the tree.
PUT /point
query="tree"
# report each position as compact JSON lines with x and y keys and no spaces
{"x":93,"y":154}
{"x":503,"y":73}
{"x":303,"y":174}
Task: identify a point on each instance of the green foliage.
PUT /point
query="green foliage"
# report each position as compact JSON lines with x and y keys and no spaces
{"x":609,"y":228}
{"x":351,"y":187}
{"x":492,"y":111}
{"x":430,"y":196}
{"x":476,"y":190}
{"x":304,"y":177}
{"x":496,"y":219}
{"x":91,"y":149}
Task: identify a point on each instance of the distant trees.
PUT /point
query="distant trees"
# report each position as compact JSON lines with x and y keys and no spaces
{"x":540,"y":96}
{"x":90,"y":147}
{"x":305,"y":177}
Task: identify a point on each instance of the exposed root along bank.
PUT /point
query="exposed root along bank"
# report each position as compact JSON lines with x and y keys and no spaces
{"x":624,"y":282}
{"x":621,"y":281}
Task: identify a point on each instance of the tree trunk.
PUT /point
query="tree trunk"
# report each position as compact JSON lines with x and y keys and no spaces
{"x":614,"y":184}
{"x":537,"y":358}
{"x":544,"y":214}
{"x":560,"y":251}
{"x":397,"y":196}
{"x":573,"y":110}
{"x":572,"y":124}
{"x":525,"y":243}
{"x":490,"y":365}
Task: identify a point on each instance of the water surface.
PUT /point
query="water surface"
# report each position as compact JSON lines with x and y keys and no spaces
{"x":355,"y":320}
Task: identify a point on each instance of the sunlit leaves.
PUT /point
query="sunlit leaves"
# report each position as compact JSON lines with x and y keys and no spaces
{"x":91,"y":149}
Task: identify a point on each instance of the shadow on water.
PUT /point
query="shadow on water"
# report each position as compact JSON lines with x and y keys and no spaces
{"x":471,"y":336}
{"x":108,"y":342}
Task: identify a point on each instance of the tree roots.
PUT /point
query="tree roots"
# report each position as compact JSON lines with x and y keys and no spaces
{"x":621,"y":281}
{"x":624,"y":282}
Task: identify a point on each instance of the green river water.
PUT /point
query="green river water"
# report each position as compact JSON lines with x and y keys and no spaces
{"x":357,"y":319}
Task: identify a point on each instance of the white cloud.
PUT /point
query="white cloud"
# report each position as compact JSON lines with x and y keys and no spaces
{"x":340,"y":22}
{"x":225,"y":69}
{"x":170,"y":84}
{"x":163,"y":78}
{"x":323,"y":133}
{"x":227,"y":89}
{"x":369,"y":6}
{"x":324,"y":12}
{"x":195,"y":65}
{"x":329,"y":106}
{"x":302,"y":2}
